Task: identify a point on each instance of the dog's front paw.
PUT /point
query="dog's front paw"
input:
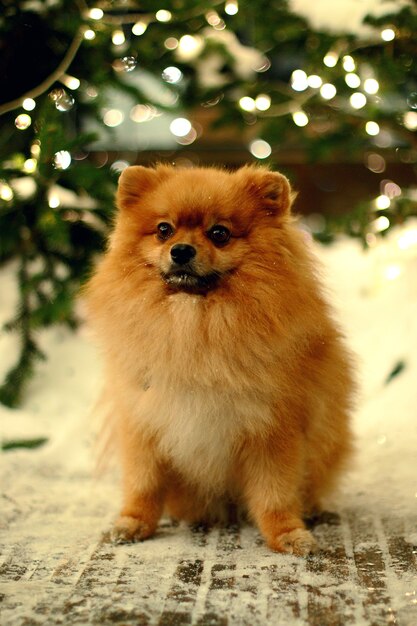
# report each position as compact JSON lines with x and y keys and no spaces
{"x":129,"y":529}
{"x":298,"y":541}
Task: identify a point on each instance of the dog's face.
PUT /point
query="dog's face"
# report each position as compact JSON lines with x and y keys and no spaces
{"x":197,"y":226}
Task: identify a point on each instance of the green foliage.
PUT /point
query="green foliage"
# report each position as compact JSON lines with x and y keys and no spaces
{"x":54,"y":212}
{"x":28,"y":444}
{"x":396,"y":370}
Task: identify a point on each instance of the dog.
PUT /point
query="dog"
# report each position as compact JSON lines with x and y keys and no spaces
{"x":226,"y":378}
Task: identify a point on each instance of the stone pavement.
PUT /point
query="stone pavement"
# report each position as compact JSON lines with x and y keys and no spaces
{"x":57,"y":566}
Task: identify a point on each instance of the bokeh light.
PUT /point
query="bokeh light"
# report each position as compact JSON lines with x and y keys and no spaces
{"x":388,"y":34}
{"x":163,"y":16}
{"x":352,"y":80}
{"x":300,"y":118}
{"x":328,"y":91}
{"x":247,"y":104}
{"x":23,"y":121}
{"x":139,"y":28}
{"x":260,"y":149}
{"x":28,"y":104}
{"x":62,"y":159}
{"x":180,"y":127}
{"x":172,"y":74}
{"x":372,"y":128}
{"x":113,"y":117}
{"x":263,"y":102}
{"x":357,"y":100}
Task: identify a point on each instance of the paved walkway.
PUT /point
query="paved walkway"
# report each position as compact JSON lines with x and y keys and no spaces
{"x":58,"y":568}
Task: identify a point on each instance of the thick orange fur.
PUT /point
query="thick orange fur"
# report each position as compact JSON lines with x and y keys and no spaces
{"x":239,"y":390}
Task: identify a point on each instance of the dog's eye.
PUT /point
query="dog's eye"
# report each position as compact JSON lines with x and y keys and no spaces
{"x":164,"y":231}
{"x":219,"y":234}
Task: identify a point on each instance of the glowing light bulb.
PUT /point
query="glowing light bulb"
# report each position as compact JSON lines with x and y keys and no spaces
{"x":89,"y":34}
{"x":53,"y":200}
{"x":62,"y":160}
{"x":314,"y":81}
{"x":382,"y":202}
{"x":352,"y":80}
{"x":231,"y":7}
{"x":298,"y":75}
{"x":357,"y":100}
{"x":371,"y":85}
{"x":331,"y":59}
{"x":260,"y":149}
{"x":28,"y":104}
{"x":372,"y":128}
{"x":410,"y":120}
{"x":247,"y":104}
{"x":263,"y":102}
{"x":113,"y":117}
{"x":139,"y":28}
{"x":172,"y":74}
{"x":381,"y":223}
{"x":300,"y":118}
{"x":328,"y":91}
{"x":299,"y":80}
{"x":348,"y":63}
{"x":96,"y":14}
{"x":6,"y":192}
{"x":29,"y":166}
{"x":35,"y":149}
{"x":189,"y":47}
{"x":388,"y":34}
{"x":118,"y":37}
{"x":23,"y":121}
{"x":180,"y":127}
{"x":70,"y":81}
{"x":163,"y":16}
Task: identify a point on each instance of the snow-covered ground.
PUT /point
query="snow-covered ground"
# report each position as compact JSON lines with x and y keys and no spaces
{"x":53,"y":511}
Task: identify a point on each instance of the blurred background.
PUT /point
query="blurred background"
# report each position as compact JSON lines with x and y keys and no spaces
{"x":324,"y":91}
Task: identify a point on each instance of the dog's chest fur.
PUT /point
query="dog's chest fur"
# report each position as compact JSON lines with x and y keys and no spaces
{"x":199,"y":431}
{"x":199,"y":424}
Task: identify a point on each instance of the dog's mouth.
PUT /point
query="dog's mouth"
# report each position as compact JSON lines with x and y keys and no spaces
{"x":189,"y":281}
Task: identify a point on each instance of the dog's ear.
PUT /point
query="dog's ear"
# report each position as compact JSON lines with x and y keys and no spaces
{"x":271,"y":190}
{"x":136,"y":180}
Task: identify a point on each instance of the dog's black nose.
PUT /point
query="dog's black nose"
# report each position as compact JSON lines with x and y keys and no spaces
{"x":182,"y":253}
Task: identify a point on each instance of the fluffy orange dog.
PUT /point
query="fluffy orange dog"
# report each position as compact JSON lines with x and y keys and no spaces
{"x":226,"y":378}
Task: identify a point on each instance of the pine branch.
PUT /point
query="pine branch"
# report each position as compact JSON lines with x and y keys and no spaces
{"x":11,"y":391}
{"x":28,"y":444}
{"x":51,"y":79}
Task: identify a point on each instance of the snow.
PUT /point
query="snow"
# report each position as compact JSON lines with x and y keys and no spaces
{"x":54,"y":510}
{"x":345,"y":16}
